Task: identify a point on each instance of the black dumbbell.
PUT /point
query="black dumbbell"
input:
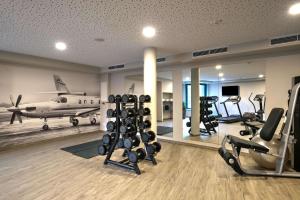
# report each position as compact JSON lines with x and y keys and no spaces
{"x":215,"y":124}
{"x":209,"y":126}
{"x":110,"y":126}
{"x":107,"y":139}
{"x":153,"y":148}
{"x":144,"y":111}
{"x":145,"y":99}
{"x":128,"y":98}
{"x":188,"y":124}
{"x":112,"y":98}
{"x":131,"y":142}
{"x":129,"y":120}
{"x":102,"y":150}
{"x":129,"y":112}
{"x":207,"y":112}
{"x":120,"y":143}
{"x":208,"y":119}
{"x":135,"y":156}
{"x":110,"y":113}
{"x":127,"y":128}
{"x":205,"y":105}
{"x":148,"y":136}
{"x":145,"y":124}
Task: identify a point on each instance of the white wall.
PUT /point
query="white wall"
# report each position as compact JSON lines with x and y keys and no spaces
{"x":119,"y":83}
{"x":257,"y":87}
{"x":279,"y":73}
{"x":30,"y":81}
{"x":167,"y":86}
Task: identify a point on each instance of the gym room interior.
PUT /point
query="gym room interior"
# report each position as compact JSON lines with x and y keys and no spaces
{"x":140,"y":99}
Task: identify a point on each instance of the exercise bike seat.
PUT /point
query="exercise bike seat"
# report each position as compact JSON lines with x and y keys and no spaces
{"x":256,"y":125}
{"x":247,"y":144}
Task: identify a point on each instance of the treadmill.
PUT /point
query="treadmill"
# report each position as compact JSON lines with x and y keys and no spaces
{"x":231,"y":118}
{"x":214,"y":100}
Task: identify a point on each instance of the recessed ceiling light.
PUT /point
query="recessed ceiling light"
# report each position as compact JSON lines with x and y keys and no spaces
{"x":149,"y":32}
{"x":218,"y":67}
{"x":221,"y":74}
{"x":99,"y":39}
{"x":294,"y":9}
{"x":60,"y":46}
{"x":260,"y":76}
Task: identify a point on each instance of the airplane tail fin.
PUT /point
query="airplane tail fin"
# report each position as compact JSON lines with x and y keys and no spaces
{"x":60,"y":85}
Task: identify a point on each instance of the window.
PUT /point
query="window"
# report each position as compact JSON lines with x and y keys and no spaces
{"x":202,"y":90}
{"x":79,"y":101}
{"x":92,"y":101}
{"x":99,"y":101}
{"x":63,"y":100}
{"x":84,"y":101}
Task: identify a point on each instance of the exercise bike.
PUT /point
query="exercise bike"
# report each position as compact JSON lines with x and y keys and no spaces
{"x":254,"y":121}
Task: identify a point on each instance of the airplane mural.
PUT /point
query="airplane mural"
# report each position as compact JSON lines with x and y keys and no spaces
{"x":66,"y":104}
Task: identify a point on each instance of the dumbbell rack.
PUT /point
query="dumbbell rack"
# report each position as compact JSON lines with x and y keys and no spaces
{"x":206,"y":117}
{"x":150,"y":156}
{"x":136,"y":120}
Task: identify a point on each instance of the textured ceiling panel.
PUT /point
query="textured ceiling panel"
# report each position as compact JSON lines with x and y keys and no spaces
{"x":32,"y":27}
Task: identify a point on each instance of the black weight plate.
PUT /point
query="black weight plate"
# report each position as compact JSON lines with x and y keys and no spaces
{"x":129,"y":120}
{"x":128,"y":143}
{"x":120,"y":143}
{"x":147,"y":98}
{"x":106,"y":139}
{"x":141,"y":153}
{"x":136,"y":141}
{"x":102,"y":150}
{"x":157,"y":146}
{"x":152,"y":135}
{"x":124,"y":113}
{"x":111,"y":98}
{"x":141,"y":112}
{"x":110,"y":113}
{"x":133,"y":157}
{"x":150,"y":149}
{"x":123,"y":129}
{"x":125,"y":98}
{"x":110,"y":126}
{"x":142,"y":98}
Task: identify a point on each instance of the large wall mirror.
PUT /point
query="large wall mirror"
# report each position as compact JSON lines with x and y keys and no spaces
{"x":228,"y":94}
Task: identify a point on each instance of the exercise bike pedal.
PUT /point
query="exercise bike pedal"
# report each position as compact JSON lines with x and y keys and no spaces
{"x":244,"y":132}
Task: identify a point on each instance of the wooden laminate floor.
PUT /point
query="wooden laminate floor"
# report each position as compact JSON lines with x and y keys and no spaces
{"x":43,"y":171}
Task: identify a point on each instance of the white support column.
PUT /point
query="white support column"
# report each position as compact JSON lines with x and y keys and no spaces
{"x":104,"y":93}
{"x":150,"y":87}
{"x":177,"y":104}
{"x":195,"y":101}
{"x":159,"y":102}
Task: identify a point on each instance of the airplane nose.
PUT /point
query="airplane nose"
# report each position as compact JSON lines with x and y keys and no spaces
{"x":13,"y":109}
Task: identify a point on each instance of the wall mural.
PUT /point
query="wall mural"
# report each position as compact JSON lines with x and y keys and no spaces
{"x":65,"y":113}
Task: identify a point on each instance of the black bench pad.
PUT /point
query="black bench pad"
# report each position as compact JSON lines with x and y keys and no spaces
{"x":247,"y":144}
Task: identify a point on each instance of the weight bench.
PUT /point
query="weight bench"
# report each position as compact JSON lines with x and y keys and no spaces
{"x":266,"y":133}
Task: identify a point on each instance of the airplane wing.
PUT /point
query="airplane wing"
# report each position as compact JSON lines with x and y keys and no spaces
{"x":86,"y":113}
{"x":64,"y":92}
{"x":54,"y":92}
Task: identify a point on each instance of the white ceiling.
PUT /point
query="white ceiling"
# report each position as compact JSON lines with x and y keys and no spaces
{"x":232,"y":72}
{"x":33,"y":26}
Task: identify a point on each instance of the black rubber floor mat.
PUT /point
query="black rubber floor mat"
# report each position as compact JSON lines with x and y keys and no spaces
{"x":85,"y":150}
{"x":162,"y":130}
